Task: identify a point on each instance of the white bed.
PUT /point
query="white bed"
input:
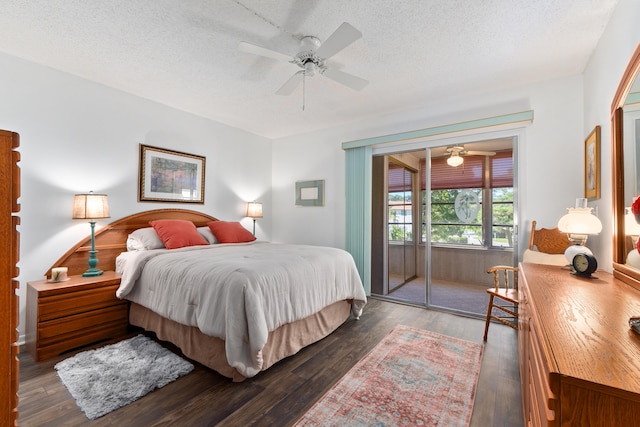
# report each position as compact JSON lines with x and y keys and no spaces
{"x":240,"y":292}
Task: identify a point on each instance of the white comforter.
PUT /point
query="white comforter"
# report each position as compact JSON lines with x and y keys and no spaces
{"x":240,"y":292}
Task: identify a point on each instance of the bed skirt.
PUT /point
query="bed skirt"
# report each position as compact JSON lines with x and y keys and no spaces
{"x":285,"y":341}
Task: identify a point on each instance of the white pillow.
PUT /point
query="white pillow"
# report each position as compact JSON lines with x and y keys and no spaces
{"x":144,"y":239}
{"x":207,"y":234}
{"x":536,"y":257}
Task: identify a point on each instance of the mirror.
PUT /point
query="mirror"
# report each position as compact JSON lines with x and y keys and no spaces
{"x":625,"y":175}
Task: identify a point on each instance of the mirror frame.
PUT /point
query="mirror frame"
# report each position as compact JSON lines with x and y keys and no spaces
{"x":628,"y":275}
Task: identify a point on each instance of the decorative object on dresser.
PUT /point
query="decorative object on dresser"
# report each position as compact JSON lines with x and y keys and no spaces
{"x":110,"y":377}
{"x":91,"y":206}
{"x":579,"y":223}
{"x":254,"y":210}
{"x":9,"y":255}
{"x":505,"y":314}
{"x":579,"y":361}
{"x":412,"y":377}
{"x":66,"y":315}
{"x":170,"y":176}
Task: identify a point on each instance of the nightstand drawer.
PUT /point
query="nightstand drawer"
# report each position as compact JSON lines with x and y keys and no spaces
{"x":79,"y":301}
{"x":54,"y":330}
{"x":67,"y":315}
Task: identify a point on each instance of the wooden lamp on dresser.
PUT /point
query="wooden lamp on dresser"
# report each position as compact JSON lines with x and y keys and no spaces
{"x":9,"y":253}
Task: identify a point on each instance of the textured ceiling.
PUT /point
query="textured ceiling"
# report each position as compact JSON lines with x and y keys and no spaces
{"x":414,"y":53}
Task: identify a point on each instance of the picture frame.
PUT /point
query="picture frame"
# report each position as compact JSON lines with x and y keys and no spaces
{"x":592,"y":165}
{"x":310,"y":193}
{"x":170,"y":176}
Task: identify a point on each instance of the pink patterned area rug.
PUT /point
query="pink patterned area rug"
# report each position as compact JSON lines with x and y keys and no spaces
{"x":412,"y":377}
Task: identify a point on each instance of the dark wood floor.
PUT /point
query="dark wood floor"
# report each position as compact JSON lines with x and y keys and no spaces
{"x":282,"y":394}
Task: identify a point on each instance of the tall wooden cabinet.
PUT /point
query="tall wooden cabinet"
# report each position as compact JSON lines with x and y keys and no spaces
{"x":579,"y":360}
{"x":9,"y":252}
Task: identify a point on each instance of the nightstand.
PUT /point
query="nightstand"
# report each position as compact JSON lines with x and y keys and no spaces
{"x":66,"y":315}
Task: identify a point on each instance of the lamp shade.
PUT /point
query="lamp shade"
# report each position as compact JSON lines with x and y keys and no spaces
{"x":254,"y":210}
{"x":455,"y":160}
{"x":580,"y":221}
{"x":90,"y":206}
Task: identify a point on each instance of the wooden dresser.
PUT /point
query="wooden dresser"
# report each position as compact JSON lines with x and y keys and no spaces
{"x":9,"y":252}
{"x":579,"y":360}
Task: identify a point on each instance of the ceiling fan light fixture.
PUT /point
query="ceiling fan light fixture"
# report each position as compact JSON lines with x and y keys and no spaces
{"x":455,"y":160}
{"x":310,"y":68}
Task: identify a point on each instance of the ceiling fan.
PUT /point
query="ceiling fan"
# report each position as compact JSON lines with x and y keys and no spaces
{"x":312,"y":57}
{"x":456,"y":152}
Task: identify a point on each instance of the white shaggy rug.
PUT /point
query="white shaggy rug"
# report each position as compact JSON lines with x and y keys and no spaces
{"x":110,"y":377}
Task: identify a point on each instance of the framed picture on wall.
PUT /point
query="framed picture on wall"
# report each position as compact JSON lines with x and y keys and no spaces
{"x":170,"y":176}
{"x":592,"y":165}
{"x":310,"y":193}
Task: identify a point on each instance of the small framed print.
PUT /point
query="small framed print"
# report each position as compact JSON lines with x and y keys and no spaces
{"x":310,"y":193}
{"x":592,"y":165}
{"x":170,"y":176}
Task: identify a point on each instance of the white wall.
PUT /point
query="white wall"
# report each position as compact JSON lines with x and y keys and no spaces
{"x":601,"y":79}
{"x":77,"y":136}
{"x":550,"y":158}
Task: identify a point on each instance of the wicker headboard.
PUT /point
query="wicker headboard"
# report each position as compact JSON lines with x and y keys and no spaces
{"x":111,"y":240}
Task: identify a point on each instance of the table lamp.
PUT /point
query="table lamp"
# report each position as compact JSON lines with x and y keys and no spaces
{"x":254,"y":210}
{"x":91,"y":206}
{"x":579,"y":223}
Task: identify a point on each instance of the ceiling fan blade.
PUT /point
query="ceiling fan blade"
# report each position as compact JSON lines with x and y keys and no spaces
{"x":478,"y":153}
{"x":341,"y":38}
{"x":349,"y":80}
{"x":263,"y":51}
{"x":290,"y":85}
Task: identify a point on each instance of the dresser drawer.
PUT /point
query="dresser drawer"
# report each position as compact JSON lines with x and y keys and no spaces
{"x":545,"y":399}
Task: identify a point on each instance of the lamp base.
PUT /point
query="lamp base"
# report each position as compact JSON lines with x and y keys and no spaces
{"x":92,"y":272}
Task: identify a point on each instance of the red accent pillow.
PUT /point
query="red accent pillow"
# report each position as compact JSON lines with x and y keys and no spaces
{"x":230,"y":232}
{"x":177,"y":233}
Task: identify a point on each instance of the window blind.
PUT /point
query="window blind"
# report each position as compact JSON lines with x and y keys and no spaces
{"x":399,"y":178}
{"x":470,"y":173}
{"x":502,"y":169}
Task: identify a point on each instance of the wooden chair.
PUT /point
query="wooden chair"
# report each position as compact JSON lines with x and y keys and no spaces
{"x":548,"y":240}
{"x":507,"y":297}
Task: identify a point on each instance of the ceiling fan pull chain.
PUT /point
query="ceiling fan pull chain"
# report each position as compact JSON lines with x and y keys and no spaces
{"x":304,"y":88}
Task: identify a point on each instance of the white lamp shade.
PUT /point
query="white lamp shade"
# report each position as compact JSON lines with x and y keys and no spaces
{"x":580,"y":221}
{"x":455,"y":160}
{"x":254,"y":210}
{"x":90,"y":206}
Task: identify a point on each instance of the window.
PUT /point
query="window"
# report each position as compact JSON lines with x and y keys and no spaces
{"x":400,"y":204}
{"x":471,"y":204}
